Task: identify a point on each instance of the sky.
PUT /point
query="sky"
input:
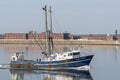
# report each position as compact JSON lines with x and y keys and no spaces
{"x":72,"y":16}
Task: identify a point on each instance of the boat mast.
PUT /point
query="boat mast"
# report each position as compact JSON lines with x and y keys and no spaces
{"x":50,"y":19}
{"x":47,"y":32}
{"x":50,"y":30}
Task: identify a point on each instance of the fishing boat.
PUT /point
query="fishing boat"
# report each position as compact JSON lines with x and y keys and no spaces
{"x":53,"y":61}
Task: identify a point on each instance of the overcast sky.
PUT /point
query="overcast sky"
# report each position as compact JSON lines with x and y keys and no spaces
{"x":74,"y":16}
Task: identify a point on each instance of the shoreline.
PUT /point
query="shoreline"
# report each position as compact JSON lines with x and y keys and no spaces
{"x":60,"y":42}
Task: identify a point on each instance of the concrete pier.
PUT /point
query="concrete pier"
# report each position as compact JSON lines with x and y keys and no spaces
{"x":60,"y":42}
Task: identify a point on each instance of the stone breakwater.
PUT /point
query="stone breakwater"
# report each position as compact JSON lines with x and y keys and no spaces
{"x":60,"y":42}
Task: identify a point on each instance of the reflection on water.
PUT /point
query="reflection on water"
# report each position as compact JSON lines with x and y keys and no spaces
{"x":50,"y":75}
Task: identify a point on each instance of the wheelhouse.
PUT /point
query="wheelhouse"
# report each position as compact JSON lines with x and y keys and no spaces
{"x":63,"y":56}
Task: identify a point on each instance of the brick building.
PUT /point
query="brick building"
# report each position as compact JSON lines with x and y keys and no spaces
{"x":15,"y":36}
{"x":97,"y":37}
{"x":36,"y":35}
{"x":42,"y":35}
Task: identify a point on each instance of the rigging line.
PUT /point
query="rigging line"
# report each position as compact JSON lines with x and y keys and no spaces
{"x":37,"y":42}
{"x":56,"y":23}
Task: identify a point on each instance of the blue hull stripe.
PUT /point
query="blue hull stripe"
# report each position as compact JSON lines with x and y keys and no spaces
{"x":65,"y":62}
{"x":27,"y":64}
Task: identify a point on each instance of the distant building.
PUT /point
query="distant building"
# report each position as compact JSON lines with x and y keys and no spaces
{"x":36,"y":35}
{"x":115,"y":37}
{"x":72,"y":36}
{"x":32,"y":35}
{"x":65,"y":36}
{"x":15,"y":36}
{"x":97,"y":37}
{"x":1,"y":36}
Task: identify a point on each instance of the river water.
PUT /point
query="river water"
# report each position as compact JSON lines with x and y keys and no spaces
{"x":105,"y":64}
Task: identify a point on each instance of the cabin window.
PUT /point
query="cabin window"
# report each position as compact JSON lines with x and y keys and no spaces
{"x":70,"y":54}
{"x":76,"y":53}
{"x":53,"y":57}
{"x":64,"y":55}
{"x":13,"y":58}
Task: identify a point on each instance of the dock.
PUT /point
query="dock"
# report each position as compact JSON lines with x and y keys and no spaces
{"x":60,"y":42}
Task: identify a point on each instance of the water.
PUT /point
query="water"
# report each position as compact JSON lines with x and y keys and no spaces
{"x":104,"y":66}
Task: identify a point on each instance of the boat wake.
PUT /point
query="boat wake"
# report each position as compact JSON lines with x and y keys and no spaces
{"x":84,"y":68}
{"x":81,"y":68}
{"x":4,"y":66}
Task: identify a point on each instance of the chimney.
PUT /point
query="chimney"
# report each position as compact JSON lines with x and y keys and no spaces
{"x":116,"y":32}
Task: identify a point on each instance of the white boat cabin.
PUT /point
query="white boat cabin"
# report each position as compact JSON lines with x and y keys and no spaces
{"x":63,"y":56}
{"x":19,"y":56}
